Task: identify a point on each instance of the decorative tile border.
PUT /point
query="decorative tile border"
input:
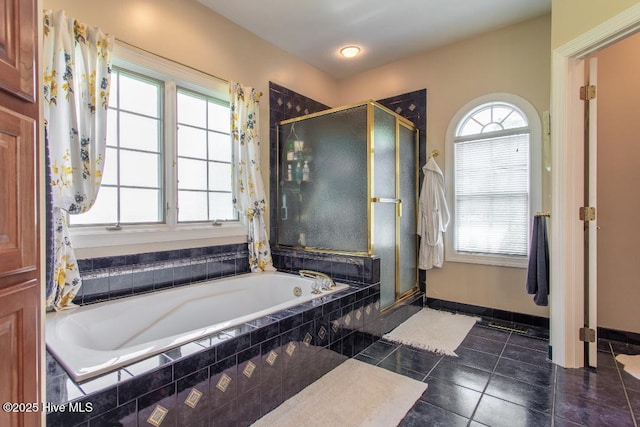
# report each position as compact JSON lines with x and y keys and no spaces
{"x":121,"y":276}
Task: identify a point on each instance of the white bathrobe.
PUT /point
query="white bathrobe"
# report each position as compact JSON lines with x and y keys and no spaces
{"x":433,"y":217}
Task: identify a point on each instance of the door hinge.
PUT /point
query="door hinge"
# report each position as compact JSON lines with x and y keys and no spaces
{"x":587,"y":335}
{"x":587,"y":213}
{"x":587,"y":92}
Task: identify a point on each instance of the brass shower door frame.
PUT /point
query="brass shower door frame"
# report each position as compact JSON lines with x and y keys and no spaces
{"x":400,"y":296}
{"x":399,"y":122}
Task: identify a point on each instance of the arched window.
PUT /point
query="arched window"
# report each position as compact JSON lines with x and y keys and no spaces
{"x":495,"y":153}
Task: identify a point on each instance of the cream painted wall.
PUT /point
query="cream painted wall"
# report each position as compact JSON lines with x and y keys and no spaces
{"x":191,"y":34}
{"x":618,"y":175}
{"x":571,"y":18}
{"x":516,"y":60}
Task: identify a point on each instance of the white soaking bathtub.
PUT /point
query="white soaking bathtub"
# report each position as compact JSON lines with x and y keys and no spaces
{"x":99,"y":338}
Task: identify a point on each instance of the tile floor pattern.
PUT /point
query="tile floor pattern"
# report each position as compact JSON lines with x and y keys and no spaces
{"x":503,"y":378}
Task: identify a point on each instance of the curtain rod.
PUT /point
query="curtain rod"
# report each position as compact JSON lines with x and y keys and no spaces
{"x":259,"y":94}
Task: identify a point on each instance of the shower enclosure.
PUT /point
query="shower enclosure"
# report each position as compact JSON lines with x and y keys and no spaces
{"x":348,"y":183}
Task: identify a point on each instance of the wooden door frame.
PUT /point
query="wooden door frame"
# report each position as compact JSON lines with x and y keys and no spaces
{"x":567,"y":183}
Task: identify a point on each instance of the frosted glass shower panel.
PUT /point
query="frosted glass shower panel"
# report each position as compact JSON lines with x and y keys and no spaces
{"x":408,"y":171}
{"x":384,"y":244}
{"x":323,"y":182}
{"x":384,"y":160}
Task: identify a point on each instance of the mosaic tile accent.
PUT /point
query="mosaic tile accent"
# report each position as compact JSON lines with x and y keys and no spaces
{"x":193,"y":398}
{"x":271,"y":358}
{"x":322,"y":333}
{"x":307,"y":339}
{"x":291,"y":348}
{"x":335,"y":325}
{"x":223,"y":383}
{"x":157,"y":416}
{"x":249,"y":369}
{"x":347,"y":320}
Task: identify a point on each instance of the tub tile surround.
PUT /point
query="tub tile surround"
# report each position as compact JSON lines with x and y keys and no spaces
{"x":243,"y":372}
{"x":238,"y":374}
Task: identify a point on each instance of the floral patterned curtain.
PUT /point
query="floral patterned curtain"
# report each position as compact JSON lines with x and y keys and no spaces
{"x":77,"y":73}
{"x":248,"y":190}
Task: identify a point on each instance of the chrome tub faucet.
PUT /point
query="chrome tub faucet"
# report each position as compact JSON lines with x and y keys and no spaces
{"x":322,"y":282}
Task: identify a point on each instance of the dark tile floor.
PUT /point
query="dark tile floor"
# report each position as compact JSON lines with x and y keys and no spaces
{"x":501,"y":378}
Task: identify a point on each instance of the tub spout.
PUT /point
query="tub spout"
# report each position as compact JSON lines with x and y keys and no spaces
{"x":326,"y":282}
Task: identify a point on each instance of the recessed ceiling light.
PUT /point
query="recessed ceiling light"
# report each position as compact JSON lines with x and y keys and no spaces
{"x":349,"y":51}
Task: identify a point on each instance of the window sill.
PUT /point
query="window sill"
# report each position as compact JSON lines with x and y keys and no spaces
{"x":97,"y":241}
{"x":498,"y":261}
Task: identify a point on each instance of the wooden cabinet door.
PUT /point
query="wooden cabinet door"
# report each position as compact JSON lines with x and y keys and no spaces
{"x":17,"y":47}
{"x":17,"y":193}
{"x":20,"y":286}
{"x":19,"y":358}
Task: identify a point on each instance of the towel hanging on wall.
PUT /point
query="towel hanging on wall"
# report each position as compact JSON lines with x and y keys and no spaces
{"x":538,"y":271}
{"x":433,"y":217}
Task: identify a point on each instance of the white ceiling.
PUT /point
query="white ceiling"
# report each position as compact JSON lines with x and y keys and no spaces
{"x":386,"y":30}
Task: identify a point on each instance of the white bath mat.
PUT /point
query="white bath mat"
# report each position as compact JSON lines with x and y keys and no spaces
{"x":433,"y":330}
{"x":353,"y":394}
{"x":631,"y":364}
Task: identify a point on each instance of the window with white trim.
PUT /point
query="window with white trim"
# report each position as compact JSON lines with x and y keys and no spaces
{"x":168,"y":160}
{"x":131,"y":191}
{"x":495,"y":182}
{"x":204,"y":159}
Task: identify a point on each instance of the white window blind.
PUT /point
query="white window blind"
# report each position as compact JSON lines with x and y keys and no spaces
{"x":492,"y":192}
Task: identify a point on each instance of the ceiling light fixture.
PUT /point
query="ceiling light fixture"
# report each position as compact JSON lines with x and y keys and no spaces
{"x":349,"y":51}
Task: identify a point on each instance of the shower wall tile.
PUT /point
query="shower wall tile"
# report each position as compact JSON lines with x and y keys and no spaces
{"x":284,"y":104}
{"x":413,"y":106}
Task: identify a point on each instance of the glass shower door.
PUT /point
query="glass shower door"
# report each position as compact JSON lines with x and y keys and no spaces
{"x":408,"y":181}
{"x":394,"y":206}
{"x":385,"y":203}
